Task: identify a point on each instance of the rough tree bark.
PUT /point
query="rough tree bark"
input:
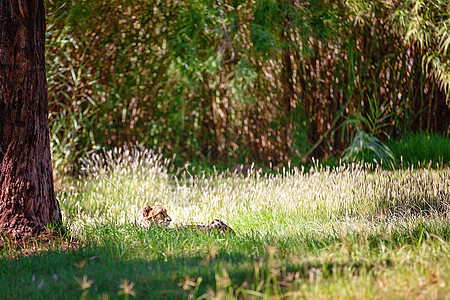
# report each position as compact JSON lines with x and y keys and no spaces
{"x":27,"y":197}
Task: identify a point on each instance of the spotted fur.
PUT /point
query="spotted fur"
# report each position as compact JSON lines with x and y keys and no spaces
{"x":154,"y":215}
{"x":216,"y":226}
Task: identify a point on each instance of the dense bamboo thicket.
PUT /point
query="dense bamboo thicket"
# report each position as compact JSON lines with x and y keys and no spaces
{"x":265,"y":80}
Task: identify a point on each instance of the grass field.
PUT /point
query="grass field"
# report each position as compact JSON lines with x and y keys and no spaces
{"x":341,"y":233}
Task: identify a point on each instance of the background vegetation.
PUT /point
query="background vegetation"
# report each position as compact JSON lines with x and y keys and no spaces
{"x":246,"y":81}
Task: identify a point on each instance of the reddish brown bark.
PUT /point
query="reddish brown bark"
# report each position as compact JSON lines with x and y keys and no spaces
{"x":27,"y":197}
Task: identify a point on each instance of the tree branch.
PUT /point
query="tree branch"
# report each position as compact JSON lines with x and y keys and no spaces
{"x":227,"y":38}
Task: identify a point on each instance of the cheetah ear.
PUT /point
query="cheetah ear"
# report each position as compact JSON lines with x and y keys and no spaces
{"x":147,"y":210}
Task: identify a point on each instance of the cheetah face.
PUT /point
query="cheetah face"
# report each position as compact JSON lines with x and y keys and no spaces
{"x":155,"y":214}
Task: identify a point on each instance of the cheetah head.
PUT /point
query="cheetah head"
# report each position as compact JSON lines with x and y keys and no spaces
{"x":154,"y":214}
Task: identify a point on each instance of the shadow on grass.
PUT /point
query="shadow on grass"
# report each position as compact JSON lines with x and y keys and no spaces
{"x":60,"y":274}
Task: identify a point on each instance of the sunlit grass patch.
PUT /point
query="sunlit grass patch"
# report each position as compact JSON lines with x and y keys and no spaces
{"x":348,"y":232}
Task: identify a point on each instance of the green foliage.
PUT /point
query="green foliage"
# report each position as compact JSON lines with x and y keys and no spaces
{"x":230,"y":81}
{"x":72,"y":103}
{"x":427,"y":24}
{"x":366,"y":147}
{"x":421,"y":149}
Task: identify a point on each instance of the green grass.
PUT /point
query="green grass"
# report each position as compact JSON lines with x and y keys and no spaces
{"x":421,"y":149}
{"x":327,"y":233}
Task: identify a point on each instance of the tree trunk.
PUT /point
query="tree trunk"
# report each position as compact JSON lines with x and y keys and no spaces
{"x":27,"y":197}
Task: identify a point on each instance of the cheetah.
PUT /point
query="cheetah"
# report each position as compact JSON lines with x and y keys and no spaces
{"x":157,"y":215}
{"x":154,"y":215}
